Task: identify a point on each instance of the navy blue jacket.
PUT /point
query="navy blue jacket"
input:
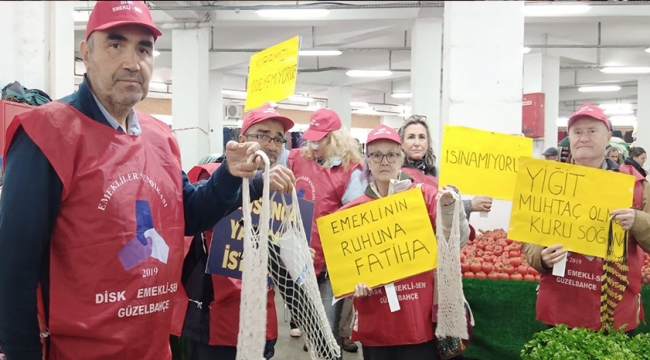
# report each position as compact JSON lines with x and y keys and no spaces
{"x":31,"y":197}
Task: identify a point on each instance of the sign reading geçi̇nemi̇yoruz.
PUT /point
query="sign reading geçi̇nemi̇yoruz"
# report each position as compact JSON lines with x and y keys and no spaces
{"x":378,"y":242}
{"x":559,"y":203}
{"x":272,"y":73}
{"x":482,"y":162}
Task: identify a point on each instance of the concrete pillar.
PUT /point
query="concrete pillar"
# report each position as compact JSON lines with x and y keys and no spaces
{"x":338,"y":99}
{"x":542,"y":74}
{"x":426,"y":64}
{"x":216,"y":115}
{"x":643,"y":114}
{"x":25,"y":43}
{"x":62,"y":49}
{"x":190,"y":102}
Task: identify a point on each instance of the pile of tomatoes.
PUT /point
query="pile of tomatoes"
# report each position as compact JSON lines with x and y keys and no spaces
{"x":491,"y":255}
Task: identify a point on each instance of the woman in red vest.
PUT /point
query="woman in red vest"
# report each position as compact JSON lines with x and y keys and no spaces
{"x":575,"y":299}
{"x":328,"y":173}
{"x":409,"y":332}
{"x":420,"y":161}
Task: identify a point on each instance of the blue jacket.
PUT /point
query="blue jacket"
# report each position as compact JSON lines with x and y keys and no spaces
{"x":28,"y":212}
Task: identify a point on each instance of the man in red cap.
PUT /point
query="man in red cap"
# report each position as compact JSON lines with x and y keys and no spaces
{"x":96,"y":205}
{"x":576,"y":303}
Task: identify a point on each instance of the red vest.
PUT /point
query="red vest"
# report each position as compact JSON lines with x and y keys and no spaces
{"x":224,"y":310}
{"x":575,"y":299}
{"x":419,"y":177}
{"x":374,"y":324}
{"x":117,"y":246}
{"x":325,"y":188}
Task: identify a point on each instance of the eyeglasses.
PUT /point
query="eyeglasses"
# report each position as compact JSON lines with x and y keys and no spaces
{"x":263,"y":137}
{"x":378,"y":157}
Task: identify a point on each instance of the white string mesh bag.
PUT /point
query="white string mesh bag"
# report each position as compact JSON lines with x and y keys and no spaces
{"x":452,"y":321}
{"x":252,"y":312}
{"x":292,"y":270}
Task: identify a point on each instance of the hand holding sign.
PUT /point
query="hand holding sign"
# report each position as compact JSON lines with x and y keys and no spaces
{"x":552,"y":255}
{"x":625,"y":217}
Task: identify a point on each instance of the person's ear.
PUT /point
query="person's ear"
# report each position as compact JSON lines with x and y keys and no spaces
{"x":84,"y":51}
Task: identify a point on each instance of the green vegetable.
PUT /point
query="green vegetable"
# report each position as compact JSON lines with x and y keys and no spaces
{"x":561,"y":343}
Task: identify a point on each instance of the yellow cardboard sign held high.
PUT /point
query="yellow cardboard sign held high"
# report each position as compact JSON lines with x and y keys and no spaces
{"x":379,"y":242}
{"x":559,"y":203}
{"x":272,"y":74}
{"x":481,"y":162}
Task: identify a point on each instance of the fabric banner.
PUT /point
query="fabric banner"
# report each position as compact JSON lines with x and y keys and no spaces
{"x":378,"y":242}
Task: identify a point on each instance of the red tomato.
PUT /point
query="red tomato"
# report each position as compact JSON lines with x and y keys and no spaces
{"x":498,"y":250}
{"x":516,"y":246}
{"x":468,"y":275}
{"x":515,"y":262}
{"x":499,"y":266}
{"x":516,"y":277}
{"x":502,"y":242}
{"x":509,"y":241}
{"x":493,"y":276}
{"x":538,"y":277}
{"x":489,"y":247}
{"x":475,"y":267}
{"x":464,"y":267}
{"x":529,"y":277}
{"x":515,"y":253}
{"x":509,"y":269}
{"x":480,"y":275}
{"x":463,"y":258}
{"x":480,"y":245}
{"x":532,"y":271}
{"x":504,"y":276}
{"x":489,"y":258}
{"x":479,"y":253}
{"x":487,"y":268}
{"x":522,"y":269}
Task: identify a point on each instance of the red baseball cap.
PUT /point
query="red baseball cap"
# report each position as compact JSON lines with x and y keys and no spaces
{"x":323,"y":121}
{"x":263,"y":113}
{"x":383,"y":132}
{"x":590,"y":111}
{"x":109,"y":14}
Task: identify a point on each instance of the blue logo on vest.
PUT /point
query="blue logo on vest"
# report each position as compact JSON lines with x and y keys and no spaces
{"x":146,"y":242}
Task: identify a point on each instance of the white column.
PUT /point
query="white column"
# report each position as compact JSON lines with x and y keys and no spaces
{"x":190,"y":108}
{"x":426,"y":64}
{"x":643,"y":114}
{"x":216,"y":115}
{"x":338,"y":99}
{"x":25,"y":43}
{"x":483,"y":61}
{"x":542,"y":74}
{"x":62,"y":49}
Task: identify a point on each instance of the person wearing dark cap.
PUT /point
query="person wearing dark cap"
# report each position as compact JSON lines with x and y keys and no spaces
{"x":564,"y":302}
{"x":328,"y":172}
{"x":551,"y":154}
{"x":213,"y":330}
{"x":96,"y":207}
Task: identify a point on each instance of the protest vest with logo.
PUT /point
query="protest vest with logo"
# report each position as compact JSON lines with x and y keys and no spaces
{"x":574,"y":299}
{"x":325,"y":188}
{"x":117,"y":246}
{"x":374,"y":324}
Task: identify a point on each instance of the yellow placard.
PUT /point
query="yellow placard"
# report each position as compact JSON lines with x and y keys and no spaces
{"x":559,"y":203}
{"x":379,"y":242}
{"x":481,"y":162}
{"x":272,"y":74}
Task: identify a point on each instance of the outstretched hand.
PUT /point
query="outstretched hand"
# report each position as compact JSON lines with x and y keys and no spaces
{"x":237,"y":155}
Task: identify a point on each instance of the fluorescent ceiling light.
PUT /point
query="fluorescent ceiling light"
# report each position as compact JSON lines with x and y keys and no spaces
{"x":626,"y":70}
{"x":401,"y":95}
{"x":292,"y":13}
{"x":562,"y":121}
{"x":315,"y":52}
{"x":623,"y":120}
{"x":300,"y":98}
{"x":359,"y":104}
{"x":369,"y":73}
{"x":233,"y":92}
{"x":615,"y":106}
{"x":156,"y":53}
{"x":554,"y":10}
{"x":366,"y":111}
{"x":599,"y":88}
{"x":647,"y":50}
{"x":618,"y":111}
{"x":526,"y":50}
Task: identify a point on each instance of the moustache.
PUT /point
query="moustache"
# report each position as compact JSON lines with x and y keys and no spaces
{"x":128,"y":76}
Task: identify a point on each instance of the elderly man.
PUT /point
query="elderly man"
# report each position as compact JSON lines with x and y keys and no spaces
{"x":96,"y":206}
{"x":551,"y":154}
{"x":579,"y":306}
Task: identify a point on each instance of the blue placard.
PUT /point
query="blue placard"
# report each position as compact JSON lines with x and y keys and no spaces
{"x":228,"y":235}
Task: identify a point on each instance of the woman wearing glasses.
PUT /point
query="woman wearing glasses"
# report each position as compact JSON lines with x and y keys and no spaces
{"x":328,"y":173}
{"x":409,"y":332}
{"x":420,"y":162}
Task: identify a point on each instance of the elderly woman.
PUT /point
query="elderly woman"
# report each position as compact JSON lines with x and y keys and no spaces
{"x":408,"y":333}
{"x":420,"y":162}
